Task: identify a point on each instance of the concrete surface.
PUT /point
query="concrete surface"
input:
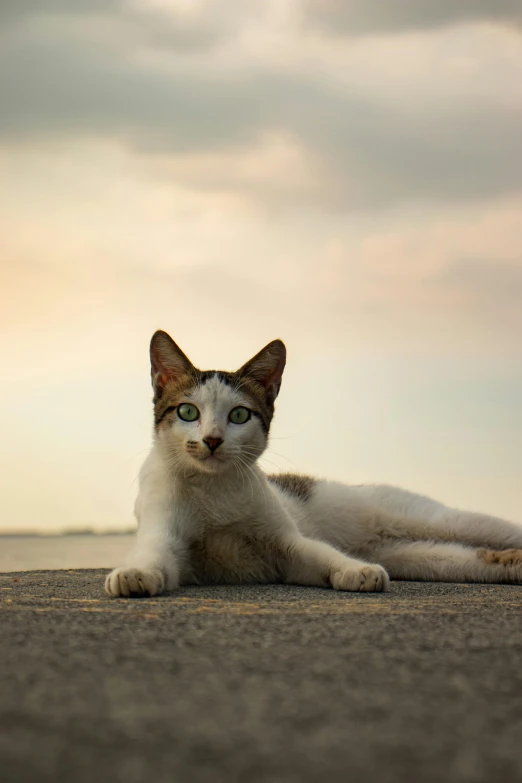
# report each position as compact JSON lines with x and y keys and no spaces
{"x":275,"y":684}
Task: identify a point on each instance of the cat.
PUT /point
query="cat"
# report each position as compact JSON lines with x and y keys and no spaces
{"x":207,"y":514}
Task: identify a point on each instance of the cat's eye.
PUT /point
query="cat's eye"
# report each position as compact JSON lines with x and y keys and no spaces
{"x":239,"y":415}
{"x":188,"y":412}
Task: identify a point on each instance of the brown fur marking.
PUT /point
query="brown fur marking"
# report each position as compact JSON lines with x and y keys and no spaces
{"x":501,"y":557}
{"x":177,"y":391}
{"x":174,"y":392}
{"x":295,"y":484}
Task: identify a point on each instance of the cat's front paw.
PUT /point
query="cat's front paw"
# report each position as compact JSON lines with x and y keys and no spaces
{"x":134,"y":582}
{"x":368,"y":579}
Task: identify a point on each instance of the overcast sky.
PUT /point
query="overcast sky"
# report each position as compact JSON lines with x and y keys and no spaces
{"x":346,"y":176}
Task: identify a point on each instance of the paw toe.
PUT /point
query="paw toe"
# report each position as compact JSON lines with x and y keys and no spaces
{"x":127,"y":582}
{"x":369,"y":579}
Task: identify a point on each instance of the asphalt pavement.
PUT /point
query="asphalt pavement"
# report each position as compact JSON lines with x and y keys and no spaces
{"x":258,"y":684}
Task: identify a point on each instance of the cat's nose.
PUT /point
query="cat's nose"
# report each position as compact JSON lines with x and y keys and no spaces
{"x":213,"y":443}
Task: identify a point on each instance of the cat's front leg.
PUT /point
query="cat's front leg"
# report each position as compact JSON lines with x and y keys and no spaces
{"x":152,"y":568}
{"x":154,"y":563}
{"x":310,"y":562}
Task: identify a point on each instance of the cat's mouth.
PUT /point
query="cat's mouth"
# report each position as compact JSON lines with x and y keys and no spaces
{"x":204,"y":457}
{"x":210,"y":461}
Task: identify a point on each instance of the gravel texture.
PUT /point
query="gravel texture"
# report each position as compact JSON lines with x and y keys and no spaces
{"x":275,"y":684}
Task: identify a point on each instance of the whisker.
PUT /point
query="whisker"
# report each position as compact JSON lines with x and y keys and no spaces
{"x":244,"y":473}
{"x":129,"y":459}
{"x":282,"y":457}
{"x":250,"y":469}
{"x":262,"y":458}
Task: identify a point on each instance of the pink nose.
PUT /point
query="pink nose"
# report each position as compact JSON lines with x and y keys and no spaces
{"x":213,"y":443}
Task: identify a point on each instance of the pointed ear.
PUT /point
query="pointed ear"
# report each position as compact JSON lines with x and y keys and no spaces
{"x":266,"y":368}
{"x":167,"y":361}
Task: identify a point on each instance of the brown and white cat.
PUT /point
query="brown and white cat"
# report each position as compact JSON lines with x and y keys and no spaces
{"x":208,"y":514}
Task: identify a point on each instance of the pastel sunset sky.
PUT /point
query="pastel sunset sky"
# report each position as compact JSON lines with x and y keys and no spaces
{"x":346,"y":176}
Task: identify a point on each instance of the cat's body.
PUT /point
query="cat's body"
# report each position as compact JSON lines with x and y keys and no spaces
{"x":208,"y":514}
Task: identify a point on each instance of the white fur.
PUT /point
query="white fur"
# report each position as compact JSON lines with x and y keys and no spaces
{"x":217,"y":518}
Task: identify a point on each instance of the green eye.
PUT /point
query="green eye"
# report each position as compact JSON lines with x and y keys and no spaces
{"x":239,"y":415}
{"x":188,"y":412}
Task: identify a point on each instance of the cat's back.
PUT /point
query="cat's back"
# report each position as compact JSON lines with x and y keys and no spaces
{"x":295,"y":486}
{"x":327,"y":510}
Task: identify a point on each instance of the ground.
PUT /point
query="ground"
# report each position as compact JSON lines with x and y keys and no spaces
{"x":258,"y":684}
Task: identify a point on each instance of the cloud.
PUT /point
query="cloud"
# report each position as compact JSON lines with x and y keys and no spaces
{"x":351,"y":17}
{"x":487,"y":282}
{"x":12,"y":10}
{"x":174,"y":25}
{"x":365,"y":147}
{"x":355,"y":17}
{"x":96,"y":248}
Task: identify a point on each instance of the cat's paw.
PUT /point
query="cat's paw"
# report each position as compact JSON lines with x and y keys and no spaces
{"x":134,"y":582}
{"x":506,"y":557}
{"x":368,"y":579}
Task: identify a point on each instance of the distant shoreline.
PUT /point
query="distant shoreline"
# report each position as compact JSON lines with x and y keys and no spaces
{"x":60,"y":533}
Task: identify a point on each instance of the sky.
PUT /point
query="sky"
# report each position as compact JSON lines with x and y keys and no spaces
{"x":343,"y":175}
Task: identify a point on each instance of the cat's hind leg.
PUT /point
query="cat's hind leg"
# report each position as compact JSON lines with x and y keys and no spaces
{"x":424,"y":518}
{"x":443,"y":562}
{"x":479,"y":530}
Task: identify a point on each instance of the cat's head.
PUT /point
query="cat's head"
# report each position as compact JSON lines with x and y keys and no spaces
{"x":211,"y":421}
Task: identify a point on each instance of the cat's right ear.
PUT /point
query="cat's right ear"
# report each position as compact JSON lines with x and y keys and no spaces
{"x":167,"y":361}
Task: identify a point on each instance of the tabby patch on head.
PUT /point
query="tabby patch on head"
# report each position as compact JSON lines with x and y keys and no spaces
{"x":212,"y":420}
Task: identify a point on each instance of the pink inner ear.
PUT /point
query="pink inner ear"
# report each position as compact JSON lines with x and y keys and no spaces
{"x":275,"y":375}
{"x":160,"y":374}
{"x":163,"y":378}
{"x":269,"y":380}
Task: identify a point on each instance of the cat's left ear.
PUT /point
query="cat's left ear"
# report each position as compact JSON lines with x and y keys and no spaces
{"x":266,"y":368}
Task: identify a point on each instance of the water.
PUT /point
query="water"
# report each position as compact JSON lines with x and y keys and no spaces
{"x":29,"y":553}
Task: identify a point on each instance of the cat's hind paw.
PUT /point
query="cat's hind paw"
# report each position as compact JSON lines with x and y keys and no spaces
{"x":369,"y":579}
{"x":506,"y":557}
{"x":134,"y":582}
